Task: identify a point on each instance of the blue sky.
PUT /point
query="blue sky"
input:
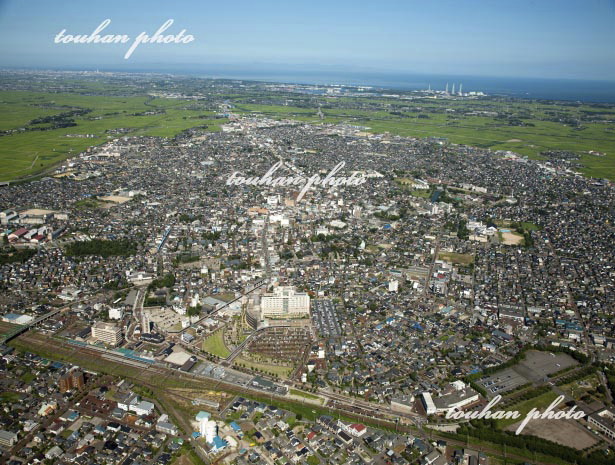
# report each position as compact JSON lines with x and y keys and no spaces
{"x":520,"y":38}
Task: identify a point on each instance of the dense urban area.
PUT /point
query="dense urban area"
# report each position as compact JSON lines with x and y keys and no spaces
{"x":225,"y":293}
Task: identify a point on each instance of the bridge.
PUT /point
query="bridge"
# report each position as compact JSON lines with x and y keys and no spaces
{"x":164,"y":239}
{"x":24,"y":328}
{"x":256,"y":286}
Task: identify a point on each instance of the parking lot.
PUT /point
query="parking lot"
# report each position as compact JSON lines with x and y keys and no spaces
{"x":325,"y":318}
{"x":534,"y":368}
{"x":537,"y":365}
{"x":165,"y":318}
{"x":501,"y":382}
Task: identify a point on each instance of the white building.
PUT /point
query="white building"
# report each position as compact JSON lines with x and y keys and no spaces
{"x":460,"y":397}
{"x":285,"y":302}
{"x":179,"y":309}
{"x":428,"y":404}
{"x":107,"y":333}
{"x":7,"y":439}
{"x":208,"y":429}
{"x":116,"y":313}
{"x":142,"y":408}
{"x":146,"y":322}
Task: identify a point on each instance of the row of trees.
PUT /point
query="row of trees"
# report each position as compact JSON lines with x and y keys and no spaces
{"x":14,"y":255}
{"x":102,"y":247}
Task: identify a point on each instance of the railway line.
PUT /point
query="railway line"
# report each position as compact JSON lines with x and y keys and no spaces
{"x":145,"y":373}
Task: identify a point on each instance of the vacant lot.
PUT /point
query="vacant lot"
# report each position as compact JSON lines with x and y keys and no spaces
{"x":459,"y":258}
{"x":566,"y":432}
{"x":511,"y":238}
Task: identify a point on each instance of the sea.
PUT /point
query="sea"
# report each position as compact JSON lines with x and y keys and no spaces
{"x":532,"y":88}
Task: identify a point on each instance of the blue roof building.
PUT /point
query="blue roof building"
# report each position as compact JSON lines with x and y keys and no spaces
{"x":218,"y":443}
{"x":203,"y":416}
{"x":235,"y":427}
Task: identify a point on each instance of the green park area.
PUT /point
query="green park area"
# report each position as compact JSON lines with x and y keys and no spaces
{"x":540,"y":403}
{"x":214,"y":345}
{"x":282,"y":371}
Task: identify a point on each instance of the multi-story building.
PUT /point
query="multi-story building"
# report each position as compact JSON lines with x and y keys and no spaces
{"x":106,"y":332}
{"x":7,"y":439}
{"x":604,"y":421}
{"x":72,"y":380}
{"x":285,"y":302}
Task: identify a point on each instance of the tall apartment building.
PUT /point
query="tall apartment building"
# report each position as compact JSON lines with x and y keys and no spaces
{"x":107,"y":332}
{"x":7,"y":438}
{"x":72,"y":380}
{"x":285,"y":302}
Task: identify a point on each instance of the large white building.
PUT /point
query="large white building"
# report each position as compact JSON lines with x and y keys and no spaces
{"x":116,"y":313}
{"x":106,"y":332}
{"x":208,"y":429}
{"x":285,"y":302}
{"x":428,"y":404}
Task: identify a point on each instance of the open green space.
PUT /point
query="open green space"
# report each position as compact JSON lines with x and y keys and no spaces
{"x":9,"y":397}
{"x":540,"y":402}
{"x":307,"y":395}
{"x":29,"y":147}
{"x":214,"y":345}
{"x":459,"y":258}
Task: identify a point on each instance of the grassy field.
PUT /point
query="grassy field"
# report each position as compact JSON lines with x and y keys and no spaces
{"x":462,"y":259}
{"x":296,"y":392}
{"x":214,"y":345}
{"x":9,"y":397}
{"x":540,"y":402}
{"x":24,"y":153}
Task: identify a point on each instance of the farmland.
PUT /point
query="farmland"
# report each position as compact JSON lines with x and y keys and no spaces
{"x":44,"y":121}
{"x":524,"y":127}
{"x":31,"y":142}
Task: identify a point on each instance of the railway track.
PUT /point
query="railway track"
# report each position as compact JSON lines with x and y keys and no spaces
{"x":147,"y":372}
